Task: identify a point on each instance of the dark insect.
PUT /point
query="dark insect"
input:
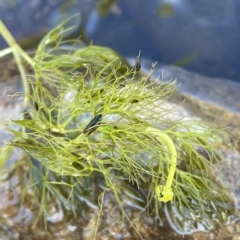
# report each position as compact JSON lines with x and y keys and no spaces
{"x":93,"y":125}
{"x":137,"y":65}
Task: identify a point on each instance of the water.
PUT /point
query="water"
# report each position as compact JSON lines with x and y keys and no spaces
{"x":201,"y":36}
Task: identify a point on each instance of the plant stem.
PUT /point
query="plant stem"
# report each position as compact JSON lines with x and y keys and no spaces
{"x":5,"y":51}
{"x":17,"y":52}
{"x":173,"y":153}
{"x":164,"y":192}
{"x":12,"y":43}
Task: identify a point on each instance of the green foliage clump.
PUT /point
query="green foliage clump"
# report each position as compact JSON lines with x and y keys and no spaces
{"x":90,"y":116}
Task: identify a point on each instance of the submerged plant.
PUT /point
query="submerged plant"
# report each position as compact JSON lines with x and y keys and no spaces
{"x":90,"y":116}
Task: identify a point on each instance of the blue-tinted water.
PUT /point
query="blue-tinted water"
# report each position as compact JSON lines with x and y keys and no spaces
{"x":202,"y":36}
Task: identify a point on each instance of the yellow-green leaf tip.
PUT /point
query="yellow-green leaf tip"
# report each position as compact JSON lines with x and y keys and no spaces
{"x":164,"y":193}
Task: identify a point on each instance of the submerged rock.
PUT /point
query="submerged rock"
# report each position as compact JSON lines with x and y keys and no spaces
{"x":18,"y":219}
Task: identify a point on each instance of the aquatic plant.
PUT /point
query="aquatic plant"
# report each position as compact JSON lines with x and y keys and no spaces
{"x":92,"y":122}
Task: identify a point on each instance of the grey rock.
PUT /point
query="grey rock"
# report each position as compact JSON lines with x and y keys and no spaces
{"x":15,"y":222}
{"x":215,"y":100}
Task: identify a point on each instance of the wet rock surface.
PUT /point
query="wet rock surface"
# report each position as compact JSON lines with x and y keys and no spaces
{"x":17,"y":218}
{"x":216,"y":100}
